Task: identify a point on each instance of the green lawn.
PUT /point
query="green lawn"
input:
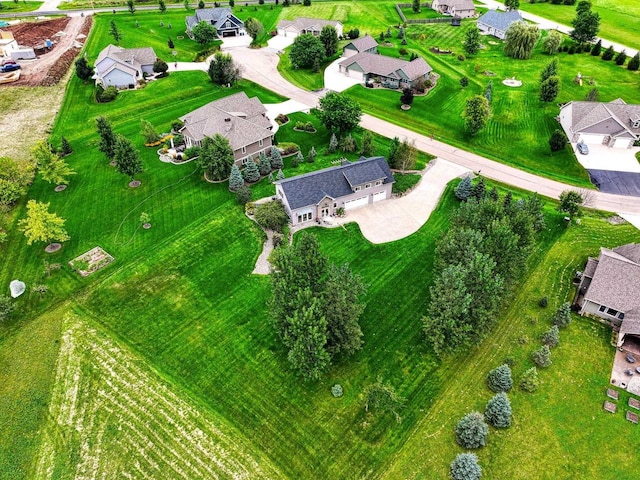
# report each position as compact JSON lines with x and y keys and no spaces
{"x":148,"y":33}
{"x":619,"y":19}
{"x":15,"y":7}
{"x":304,"y":78}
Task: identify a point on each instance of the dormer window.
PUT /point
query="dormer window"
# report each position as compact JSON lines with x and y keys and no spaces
{"x":357,"y":189}
{"x":228,"y":24}
{"x":368,"y":185}
{"x":635,"y":120}
{"x":378,"y":183}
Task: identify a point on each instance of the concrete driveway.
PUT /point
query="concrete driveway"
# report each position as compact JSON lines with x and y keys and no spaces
{"x":601,"y":157}
{"x":398,"y":218}
{"x":279,"y":42}
{"x":285,"y":108}
{"x":336,"y":81}
{"x":239,"y":41}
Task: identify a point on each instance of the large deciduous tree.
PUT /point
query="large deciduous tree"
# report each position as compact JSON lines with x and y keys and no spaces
{"x":512,"y":4}
{"x":557,"y":141}
{"x":223,"y":70}
{"x":471,"y":42}
{"x":216,"y":157}
{"x":585,"y":24}
{"x":339,"y":113}
{"x":329,"y":38}
{"x":15,"y":177}
{"x":51,"y":167}
{"x":307,"y":51}
{"x":570,"y":203}
{"x":107,"y":137}
{"x":381,"y":397}
{"x":520,"y":40}
{"x":40,"y":225}
{"x":204,"y":33}
{"x":552,"y":42}
{"x":127,"y":158}
{"x":476,"y":114}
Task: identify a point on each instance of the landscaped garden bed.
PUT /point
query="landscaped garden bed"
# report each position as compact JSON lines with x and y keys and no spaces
{"x":91,"y":261}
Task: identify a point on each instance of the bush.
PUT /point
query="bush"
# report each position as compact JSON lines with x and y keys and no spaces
{"x":499,"y":379}
{"x":277,"y":239}
{"x":287,"y":148}
{"x":6,"y":307}
{"x":251,"y":172}
{"x":562,"y":316}
{"x":621,"y":58}
{"x":608,"y":54}
{"x":271,"y":216}
{"x":463,"y":189}
{"x":543,"y":302}
{"x":348,"y":144}
{"x":558,"y":140}
{"x":192,"y":152}
{"x":551,"y":337}
{"x":464,"y":82}
{"x":498,"y":411}
{"x":530,"y":380}
{"x":472,"y":431}
{"x":236,"y":182}
{"x":402,"y":51}
{"x":176,"y":125}
{"x":243,"y":195}
{"x":308,"y":127}
{"x":281,"y":119}
{"x":336,"y":390}
{"x":106,"y":95}
{"x":353,"y":34}
{"x":542,"y":356}
{"x":634,"y":63}
{"x":465,"y":467}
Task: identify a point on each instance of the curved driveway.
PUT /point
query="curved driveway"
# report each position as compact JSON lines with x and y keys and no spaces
{"x":260,"y":66}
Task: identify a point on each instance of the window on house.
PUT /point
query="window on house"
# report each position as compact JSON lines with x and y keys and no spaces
{"x":368,"y":185}
{"x":245,"y":160}
{"x":228,"y":25}
{"x":305,"y":217}
{"x":378,"y":183}
{"x":357,"y":189}
{"x":244,"y":149}
{"x":261,"y":142}
{"x":612,"y":312}
{"x":335,"y":205}
{"x":602,"y":308}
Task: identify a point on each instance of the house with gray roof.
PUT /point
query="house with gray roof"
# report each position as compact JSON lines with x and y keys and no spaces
{"x":610,"y":289}
{"x":238,"y":118}
{"x":366,"y":44}
{"x":123,"y":67}
{"x":225,"y":22}
{"x":615,"y":124}
{"x":497,"y":23}
{"x":390,"y":72}
{"x":320,"y":194}
{"x":293,"y":28}
{"x":455,"y":8}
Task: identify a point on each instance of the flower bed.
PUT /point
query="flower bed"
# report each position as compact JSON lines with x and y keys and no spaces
{"x":166,"y":137}
{"x":91,"y":261}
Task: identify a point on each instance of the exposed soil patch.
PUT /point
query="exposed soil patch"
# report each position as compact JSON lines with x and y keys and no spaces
{"x":32,"y":34}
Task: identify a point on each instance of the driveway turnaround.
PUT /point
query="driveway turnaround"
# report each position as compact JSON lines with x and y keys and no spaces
{"x":398,"y":218}
{"x":336,"y":81}
{"x":280,"y":42}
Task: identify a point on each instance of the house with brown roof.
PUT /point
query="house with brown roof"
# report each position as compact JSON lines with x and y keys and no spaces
{"x":293,"y":28}
{"x":322,"y":193}
{"x":615,"y":124}
{"x":123,"y":67}
{"x":610,"y":289}
{"x":455,"y":8}
{"x":238,"y":118}
{"x":390,"y":72}
{"x":366,"y":44}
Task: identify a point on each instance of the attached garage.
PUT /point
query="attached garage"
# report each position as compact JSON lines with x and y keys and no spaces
{"x":379,"y":196}
{"x":353,"y":71}
{"x":621,"y":142}
{"x":592,"y":139}
{"x":283,"y":32}
{"x":357,"y":202}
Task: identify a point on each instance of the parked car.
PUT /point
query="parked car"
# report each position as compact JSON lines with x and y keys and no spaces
{"x":582,"y":148}
{"x":7,"y":61}
{"x":9,"y":67}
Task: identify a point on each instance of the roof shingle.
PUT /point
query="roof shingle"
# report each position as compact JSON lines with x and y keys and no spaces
{"x":388,"y":66}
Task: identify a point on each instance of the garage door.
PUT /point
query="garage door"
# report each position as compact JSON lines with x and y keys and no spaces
{"x":379,"y":196}
{"x":355,"y":74}
{"x":591,"y":139}
{"x":358,"y":202}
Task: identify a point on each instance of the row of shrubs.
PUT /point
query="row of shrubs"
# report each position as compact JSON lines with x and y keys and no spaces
{"x":305,"y":127}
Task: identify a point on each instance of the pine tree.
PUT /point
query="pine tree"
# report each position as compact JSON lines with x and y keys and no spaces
{"x":488,"y":92}
{"x":465,"y":467}
{"x":634,"y":63}
{"x":608,"y":53}
{"x":562,"y":316}
{"x":368,"y":149}
{"x":162,"y":6}
{"x":542,"y":356}
{"x":107,"y":137}
{"x":464,"y":188}
{"x":597,"y":48}
{"x":84,"y":71}
{"x":472,"y":431}
{"x":498,"y":411}
{"x":551,"y":337}
{"x":499,"y":379}
{"x":170,"y":43}
{"x":235,"y":179}
{"x":530,"y":380}
{"x":333,"y":143}
{"x":113,"y":31}
{"x":415,"y":6}
{"x":280,"y":175}
{"x":621,"y":58}
{"x":558,"y":140}
{"x":265,"y":164}
{"x":276,"y":159}
{"x":65,"y":147}
{"x":311,"y":156}
{"x":251,"y":172}
{"x":131,"y":7}
{"x":550,"y":70}
{"x":479,"y":190}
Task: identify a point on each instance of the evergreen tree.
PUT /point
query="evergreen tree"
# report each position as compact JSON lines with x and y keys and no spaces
{"x":464,"y":188}
{"x":276,"y":159}
{"x":65,"y":147}
{"x":311,"y":156}
{"x":549,"y":89}
{"x":415,"y":6}
{"x":530,"y":380}
{"x":84,"y":71}
{"x":550,"y":70}
{"x":114,"y":32}
{"x":333,"y":143}
{"x":472,"y":431}
{"x":236,"y":182}
{"x":551,"y":337}
{"x":297,"y":159}
{"x":558,"y":140}
{"x":512,"y":4}
{"x":131,"y":6}
{"x":479,"y":190}
{"x":465,"y":467}
{"x":393,"y":152}
{"x":170,"y":43}
{"x":280,"y":175}
{"x":498,"y":411}
{"x":597,"y":48}
{"x":608,"y":53}
{"x":634,"y":63}
{"x":162,"y":6}
{"x":251,"y":172}
{"x":542,"y":356}
{"x":488,"y":91}
{"x":107,"y":137}
{"x":127,"y":158}
{"x":368,"y":149}
{"x":621,"y":58}
{"x":562,"y":316}
{"x":265,"y":164}
{"x":499,"y":379}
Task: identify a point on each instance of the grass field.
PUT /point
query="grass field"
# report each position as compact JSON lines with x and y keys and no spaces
{"x":619,"y":19}
{"x":16,"y":7}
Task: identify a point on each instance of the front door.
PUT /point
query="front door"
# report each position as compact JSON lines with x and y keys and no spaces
{"x":324,"y":212}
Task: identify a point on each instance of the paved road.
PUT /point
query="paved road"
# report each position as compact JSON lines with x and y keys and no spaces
{"x":260,"y":66}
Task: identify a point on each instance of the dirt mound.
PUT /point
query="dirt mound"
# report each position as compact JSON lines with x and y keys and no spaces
{"x":32,"y":34}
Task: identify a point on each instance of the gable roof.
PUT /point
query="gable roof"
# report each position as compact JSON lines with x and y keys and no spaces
{"x":306,"y":23}
{"x":237,"y":117}
{"x":458,"y":4}
{"x":129,"y":57}
{"x":334,"y":182}
{"x":616,"y":279}
{"x":388,"y":66}
{"x":630,"y":324}
{"x":362,"y":44}
{"x":214,"y":16}
{"x":500,"y":20}
{"x":613,"y":118}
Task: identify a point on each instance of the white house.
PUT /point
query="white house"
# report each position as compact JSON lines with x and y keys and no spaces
{"x":497,"y":23}
{"x":615,"y":124}
{"x":123,"y":68}
{"x":455,"y":8}
{"x":293,"y":28}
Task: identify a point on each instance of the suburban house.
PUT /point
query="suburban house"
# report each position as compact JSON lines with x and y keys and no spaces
{"x":293,"y":28}
{"x":320,"y":194}
{"x":7,"y":44}
{"x":240,"y":119}
{"x":226,"y":23}
{"x":390,"y":72}
{"x":497,"y":23}
{"x":123,"y":67}
{"x":455,"y":8}
{"x":610,"y":289}
{"x":366,"y":44}
{"x":615,"y":124}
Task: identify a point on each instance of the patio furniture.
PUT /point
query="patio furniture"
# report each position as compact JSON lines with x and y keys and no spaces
{"x":629,"y":372}
{"x":631,"y":358}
